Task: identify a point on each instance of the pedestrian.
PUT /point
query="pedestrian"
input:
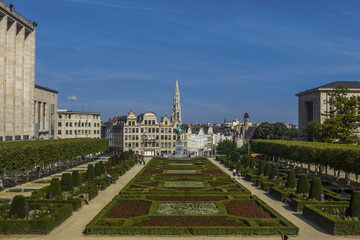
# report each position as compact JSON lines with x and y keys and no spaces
{"x":234,"y":172}
{"x":143,"y":161}
{"x":239,"y":173}
{"x":140,"y":161}
{"x":286,"y":237}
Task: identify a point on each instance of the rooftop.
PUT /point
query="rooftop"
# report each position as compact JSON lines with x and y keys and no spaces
{"x":331,"y":86}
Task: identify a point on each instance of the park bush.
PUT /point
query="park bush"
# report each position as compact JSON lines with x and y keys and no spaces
{"x":274,"y":172}
{"x":245,"y":161}
{"x":102,"y":167}
{"x":354,"y":207}
{"x":291,"y":180}
{"x":67,"y":182}
{"x":252,"y":163}
{"x":261,"y":168}
{"x":235,"y":156}
{"x":18,"y":207}
{"x":267,"y":171}
{"x":55,"y":187}
{"x":316,"y":189}
{"x":90,"y":172}
{"x":303,"y":184}
{"x":76,"y":178}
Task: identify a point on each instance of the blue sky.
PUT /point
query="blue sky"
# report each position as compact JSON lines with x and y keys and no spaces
{"x":113,"y":56}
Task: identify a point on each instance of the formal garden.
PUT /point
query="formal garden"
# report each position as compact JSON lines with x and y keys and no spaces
{"x":335,"y":211}
{"x":49,"y":206}
{"x":187,"y":196}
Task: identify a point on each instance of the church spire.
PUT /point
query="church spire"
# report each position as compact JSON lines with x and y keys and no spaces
{"x":176,"y":109}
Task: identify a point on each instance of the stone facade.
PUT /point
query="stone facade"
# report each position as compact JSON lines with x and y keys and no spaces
{"x":45,"y":113}
{"x":78,"y":124}
{"x":314,"y":103}
{"x":17,"y":75}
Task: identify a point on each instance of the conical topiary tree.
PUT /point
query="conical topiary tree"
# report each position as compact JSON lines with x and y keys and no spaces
{"x":354,"y":206}
{"x":97,"y":170}
{"x":291,"y":180}
{"x":18,"y":207}
{"x":261,"y":168}
{"x":102,"y":167}
{"x":303,"y":184}
{"x":76,"y":178}
{"x":252,"y":163}
{"x":267,"y":171}
{"x":274,"y":172}
{"x":67,"y":182}
{"x":316,"y":189}
{"x":90,"y":172}
{"x":55,"y":187}
{"x":246,"y":161}
{"x":235,"y":156}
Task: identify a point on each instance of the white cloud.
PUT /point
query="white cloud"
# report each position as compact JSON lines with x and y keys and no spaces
{"x":72,"y":98}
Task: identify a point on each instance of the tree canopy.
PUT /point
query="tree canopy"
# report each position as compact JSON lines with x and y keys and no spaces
{"x":275,"y":131}
{"x":226,"y":147}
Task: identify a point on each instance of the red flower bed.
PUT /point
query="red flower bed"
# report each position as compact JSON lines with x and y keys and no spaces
{"x":190,"y":198}
{"x":153,"y":171}
{"x":129,"y":209}
{"x":189,"y":221}
{"x":217,"y":184}
{"x":214,"y":172}
{"x":246,"y":209}
{"x":152,"y":184}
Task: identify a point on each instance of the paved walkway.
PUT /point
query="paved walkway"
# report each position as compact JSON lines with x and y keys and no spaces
{"x":72,"y":228}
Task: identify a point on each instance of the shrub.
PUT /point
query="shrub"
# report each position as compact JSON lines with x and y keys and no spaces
{"x":246,"y":161}
{"x":274,"y":172}
{"x":291,"y":180}
{"x":235,"y":156}
{"x":55,"y":187}
{"x":76,"y":178}
{"x":261,"y":168}
{"x":90,"y":173}
{"x":355,"y":204}
{"x":97,"y":170}
{"x":18,"y":207}
{"x":303,"y":184}
{"x":267,"y":171}
{"x":316,"y":189}
{"x":102,"y":167}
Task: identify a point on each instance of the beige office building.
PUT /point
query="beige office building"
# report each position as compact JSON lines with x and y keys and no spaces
{"x":71,"y":124}
{"x":45,"y":108}
{"x":314,"y":103}
{"x":17,"y":75}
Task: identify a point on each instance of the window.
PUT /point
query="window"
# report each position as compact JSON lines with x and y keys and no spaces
{"x":137,"y":137}
{"x":66,"y":124}
{"x":70,"y":132}
{"x":169,"y":130}
{"x":153,"y":122}
{"x":59,"y":132}
{"x":75,"y":124}
{"x":59,"y":124}
{"x":157,"y":130}
{"x":82,"y":132}
{"x":125,"y":130}
{"x":70,"y":124}
{"x":137,"y":130}
{"x":162,"y":137}
{"x":85,"y":131}
{"x":165,"y":122}
{"x":137,"y":144}
{"x":162,"y":144}
{"x":98,"y":131}
{"x":60,"y":116}
{"x":166,"y":137}
{"x":162,"y":130}
{"x":67,"y":132}
{"x":89,"y":124}
{"x":82,"y":124}
{"x":145,"y":122}
{"x":69,"y":116}
{"x":142,"y":130}
{"x":166,"y":130}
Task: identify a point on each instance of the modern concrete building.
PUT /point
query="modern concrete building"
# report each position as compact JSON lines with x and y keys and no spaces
{"x":17,"y":75}
{"x":71,"y":124}
{"x":45,"y":113}
{"x":315,"y":102}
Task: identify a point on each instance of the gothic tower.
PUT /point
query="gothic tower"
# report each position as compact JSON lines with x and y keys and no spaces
{"x":176,"y":109}
{"x":246,"y":121}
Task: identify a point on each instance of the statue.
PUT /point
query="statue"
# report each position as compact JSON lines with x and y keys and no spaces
{"x":178,"y":132}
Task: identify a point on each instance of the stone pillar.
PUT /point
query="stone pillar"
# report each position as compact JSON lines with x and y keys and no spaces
{"x":3,"y":41}
{"x":29,"y":84}
{"x":10,"y":79}
{"x":19,"y":83}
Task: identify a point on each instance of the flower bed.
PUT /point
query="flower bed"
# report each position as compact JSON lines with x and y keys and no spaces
{"x":187,"y":198}
{"x":184,"y":184}
{"x":188,"y":208}
{"x":185,"y":171}
{"x":246,"y":209}
{"x":190,"y":221}
{"x":129,"y":209}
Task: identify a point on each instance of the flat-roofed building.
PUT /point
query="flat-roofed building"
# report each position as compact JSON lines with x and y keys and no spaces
{"x":45,"y":113}
{"x":314,"y":103}
{"x":17,"y":75}
{"x":73,"y":124}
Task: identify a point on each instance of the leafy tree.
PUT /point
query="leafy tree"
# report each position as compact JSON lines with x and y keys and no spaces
{"x":226,"y":147}
{"x":102,"y":167}
{"x":341,"y":121}
{"x":97,"y":170}
{"x":291,"y":180}
{"x":67,"y":182}
{"x":55,"y":187}
{"x":76,"y":178}
{"x":252,"y":163}
{"x":267,"y":171}
{"x":235,"y":156}
{"x":274,"y":172}
{"x":275,"y":131}
{"x":90,"y":172}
